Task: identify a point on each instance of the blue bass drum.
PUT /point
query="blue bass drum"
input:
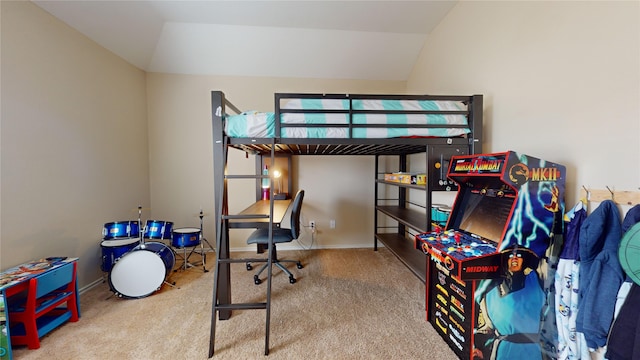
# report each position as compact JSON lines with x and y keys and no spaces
{"x":185,"y":237}
{"x":112,"y":250}
{"x":158,"y":229}
{"x":141,"y":272}
{"x":120,"y":230}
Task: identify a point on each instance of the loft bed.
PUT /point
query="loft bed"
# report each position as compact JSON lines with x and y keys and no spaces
{"x":332,"y":124}
{"x":321,"y":124}
{"x":339,"y":124}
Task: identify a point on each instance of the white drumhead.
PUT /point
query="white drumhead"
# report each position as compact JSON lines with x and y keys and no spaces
{"x":119,"y":242}
{"x":137,"y":274}
{"x":186,"y":230}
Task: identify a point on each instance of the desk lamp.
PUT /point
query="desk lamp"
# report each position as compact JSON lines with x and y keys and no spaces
{"x":277,"y":194}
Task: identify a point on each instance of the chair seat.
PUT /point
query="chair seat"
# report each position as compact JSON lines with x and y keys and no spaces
{"x":261,"y":236}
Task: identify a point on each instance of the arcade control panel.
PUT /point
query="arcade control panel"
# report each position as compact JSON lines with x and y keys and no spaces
{"x":454,"y":249}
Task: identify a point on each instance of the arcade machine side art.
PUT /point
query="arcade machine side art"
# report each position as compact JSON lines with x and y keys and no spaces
{"x":484,"y":294}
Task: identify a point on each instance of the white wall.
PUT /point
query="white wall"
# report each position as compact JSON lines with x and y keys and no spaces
{"x":561,"y":82}
{"x":74,"y":141}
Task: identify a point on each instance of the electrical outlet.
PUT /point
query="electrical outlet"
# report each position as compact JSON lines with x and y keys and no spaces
{"x":312,"y":225}
{"x":332,"y":224}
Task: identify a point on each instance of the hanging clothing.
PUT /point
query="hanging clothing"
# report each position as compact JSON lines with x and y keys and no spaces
{"x":600,"y":273}
{"x":570,"y":346}
{"x":631,"y":218}
{"x":624,"y":339}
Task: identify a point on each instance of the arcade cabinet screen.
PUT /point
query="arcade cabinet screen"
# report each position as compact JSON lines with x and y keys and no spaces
{"x":485,"y":216}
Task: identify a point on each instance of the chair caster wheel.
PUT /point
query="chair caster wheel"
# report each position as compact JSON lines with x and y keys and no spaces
{"x":249,"y":267}
{"x":256,"y":280}
{"x":292,"y":280}
{"x":299,"y":265}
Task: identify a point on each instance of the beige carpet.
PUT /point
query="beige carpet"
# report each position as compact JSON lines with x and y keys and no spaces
{"x":347,"y":304}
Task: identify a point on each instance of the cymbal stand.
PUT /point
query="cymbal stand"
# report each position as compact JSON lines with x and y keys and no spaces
{"x":140,"y":227}
{"x":202,"y":238}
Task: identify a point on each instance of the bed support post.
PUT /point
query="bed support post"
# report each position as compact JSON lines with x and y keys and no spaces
{"x":375,"y":192}
{"x":218,"y":103}
{"x":476,"y":121}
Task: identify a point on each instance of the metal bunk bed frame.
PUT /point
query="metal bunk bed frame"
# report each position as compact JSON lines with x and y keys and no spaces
{"x":315,"y":146}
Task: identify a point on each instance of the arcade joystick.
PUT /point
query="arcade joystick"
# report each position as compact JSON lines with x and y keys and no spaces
{"x":456,"y":237}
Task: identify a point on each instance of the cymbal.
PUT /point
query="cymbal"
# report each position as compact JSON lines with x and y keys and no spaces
{"x":136,"y":209}
{"x":202,"y":214}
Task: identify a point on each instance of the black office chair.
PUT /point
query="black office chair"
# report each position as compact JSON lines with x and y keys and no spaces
{"x":280,"y":235}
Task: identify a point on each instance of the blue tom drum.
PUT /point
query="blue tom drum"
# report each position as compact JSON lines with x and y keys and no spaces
{"x":158,"y":229}
{"x":120,"y":230}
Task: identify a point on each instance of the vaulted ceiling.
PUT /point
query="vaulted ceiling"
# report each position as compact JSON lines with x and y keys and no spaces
{"x":375,"y":40}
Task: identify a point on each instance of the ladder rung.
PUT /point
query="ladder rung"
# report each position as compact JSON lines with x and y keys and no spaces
{"x":245,"y":216}
{"x":241,"y":306}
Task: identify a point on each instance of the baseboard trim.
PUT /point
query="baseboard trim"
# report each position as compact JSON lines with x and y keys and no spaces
{"x":90,"y":286}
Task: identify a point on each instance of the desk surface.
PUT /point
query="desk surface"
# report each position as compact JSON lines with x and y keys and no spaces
{"x":26,"y":271}
{"x":261,"y":207}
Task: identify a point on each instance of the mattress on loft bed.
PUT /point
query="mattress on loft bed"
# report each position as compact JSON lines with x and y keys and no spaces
{"x":262,"y":124}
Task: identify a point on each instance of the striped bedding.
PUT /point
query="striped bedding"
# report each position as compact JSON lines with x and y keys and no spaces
{"x":262,"y":125}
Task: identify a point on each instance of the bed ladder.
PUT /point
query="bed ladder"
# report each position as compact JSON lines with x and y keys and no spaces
{"x":223,"y":258}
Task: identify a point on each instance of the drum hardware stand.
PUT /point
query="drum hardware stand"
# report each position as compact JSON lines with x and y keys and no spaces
{"x":140,"y":227}
{"x":185,"y":258}
{"x":172,"y":284}
{"x":202,"y":253}
{"x":204,"y":256}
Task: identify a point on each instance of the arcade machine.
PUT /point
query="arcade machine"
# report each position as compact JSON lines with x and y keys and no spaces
{"x":483,"y":291}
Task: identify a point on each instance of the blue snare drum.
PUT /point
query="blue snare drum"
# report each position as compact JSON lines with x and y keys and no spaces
{"x":112,"y":250}
{"x":157,"y":229}
{"x":185,"y":237}
{"x":142,"y":271}
{"x":120,"y":230}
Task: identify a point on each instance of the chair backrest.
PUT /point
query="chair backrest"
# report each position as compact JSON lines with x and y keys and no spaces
{"x":295,"y":214}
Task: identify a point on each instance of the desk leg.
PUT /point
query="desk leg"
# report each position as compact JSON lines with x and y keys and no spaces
{"x":224,"y":280}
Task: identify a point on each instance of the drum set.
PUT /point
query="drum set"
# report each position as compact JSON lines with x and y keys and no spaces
{"x":136,"y":260}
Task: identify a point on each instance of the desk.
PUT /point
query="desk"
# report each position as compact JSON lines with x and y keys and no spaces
{"x":261,"y":207}
{"x":246,"y":219}
{"x":16,"y":280}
